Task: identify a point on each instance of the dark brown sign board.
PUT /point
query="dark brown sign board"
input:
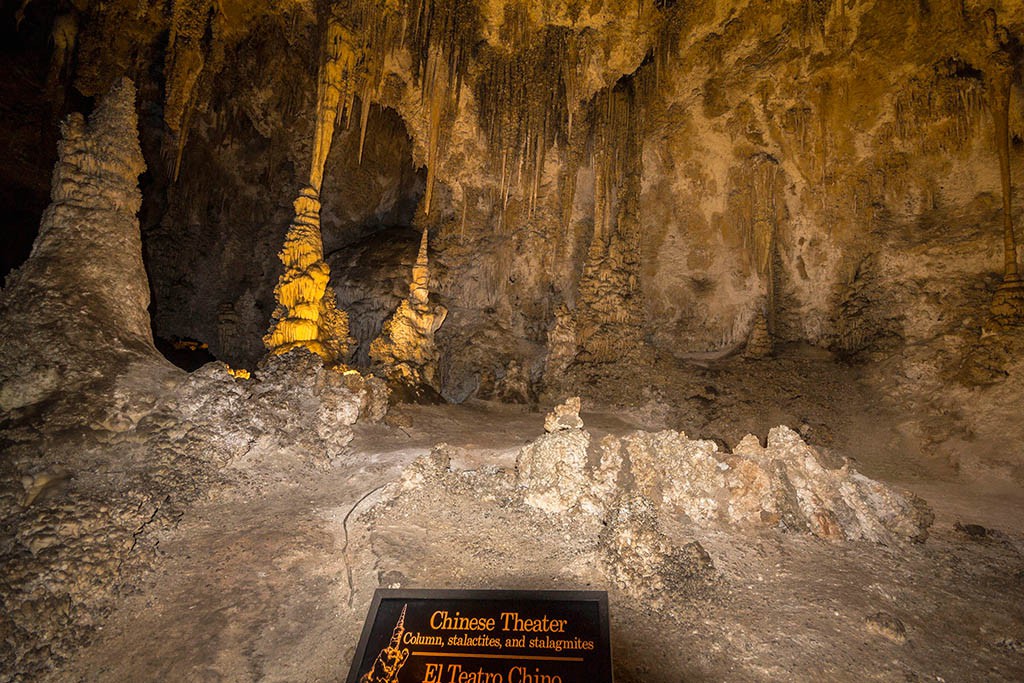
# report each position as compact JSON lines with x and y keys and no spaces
{"x":484,"y":636}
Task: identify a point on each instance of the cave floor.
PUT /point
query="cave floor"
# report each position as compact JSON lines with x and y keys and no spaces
{"x":269,"y":576}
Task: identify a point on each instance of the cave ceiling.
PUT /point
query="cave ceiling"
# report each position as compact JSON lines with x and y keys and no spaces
{"x":677,"y":173}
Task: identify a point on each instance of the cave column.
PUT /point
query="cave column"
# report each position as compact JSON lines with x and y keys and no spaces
{"x":1002,"y":85}
{"x":1008,"y":301}
{"x":307,"y":314}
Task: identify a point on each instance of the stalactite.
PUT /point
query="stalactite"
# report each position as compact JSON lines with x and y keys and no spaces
{"x":336,"y":89}
{"x":525,"y":96}
{"x":382,"y":26}
{"x":436,"y":98}
{"x":187,"y":54}
{"x":942,"y":110}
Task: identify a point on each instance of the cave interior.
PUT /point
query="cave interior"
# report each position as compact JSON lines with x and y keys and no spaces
{"x":714,"y":305}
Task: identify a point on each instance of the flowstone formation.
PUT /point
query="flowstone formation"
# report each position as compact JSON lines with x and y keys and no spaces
{"x":76,"y":311}
{"x":405,"y":348}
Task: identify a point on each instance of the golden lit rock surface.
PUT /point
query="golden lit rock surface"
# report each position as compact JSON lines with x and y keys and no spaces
{"x":307,"y":314}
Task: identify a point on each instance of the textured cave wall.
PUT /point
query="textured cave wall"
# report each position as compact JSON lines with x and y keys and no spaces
{"x":830,"y":166}
{"x":618,"y":175}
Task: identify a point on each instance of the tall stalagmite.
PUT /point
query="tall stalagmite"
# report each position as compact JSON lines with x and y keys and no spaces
{"x":405,"y":348}
{"x":76,"y":311}
{"x":307,"y":315}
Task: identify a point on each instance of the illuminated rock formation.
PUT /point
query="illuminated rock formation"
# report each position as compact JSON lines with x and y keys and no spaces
{"x":405,"y":349}
{"x":307,"y":314}
{"x":76,"y":311}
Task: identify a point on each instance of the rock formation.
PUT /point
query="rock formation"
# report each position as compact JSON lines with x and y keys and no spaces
{"x":405,"y":349}
{"x":759,"y":343}
{"x":307,"y":314}
{"x":787,"y":484}
{"x":1008,"y":302}
{"x":639,"y":558}
{"x":76,"y":311}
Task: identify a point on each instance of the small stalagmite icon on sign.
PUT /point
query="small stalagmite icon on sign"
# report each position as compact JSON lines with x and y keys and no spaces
{"x":391,"y":659}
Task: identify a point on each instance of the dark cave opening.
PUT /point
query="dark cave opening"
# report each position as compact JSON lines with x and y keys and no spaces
{"x":28,"y":125}
{"x":370,"y":277}
{"x":187,"y":354}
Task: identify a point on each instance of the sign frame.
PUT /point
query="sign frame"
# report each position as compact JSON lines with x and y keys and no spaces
{"x":599,"y":597}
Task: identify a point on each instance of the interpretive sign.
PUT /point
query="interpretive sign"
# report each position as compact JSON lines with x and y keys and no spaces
{"x":449,"y":636}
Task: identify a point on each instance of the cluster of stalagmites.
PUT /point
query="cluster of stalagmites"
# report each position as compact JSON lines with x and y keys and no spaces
{"x":307,"y":315}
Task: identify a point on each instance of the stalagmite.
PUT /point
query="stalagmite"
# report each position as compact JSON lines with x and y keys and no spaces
{"x":405,"y":349}
{"x":418,"y":291}
{"x":76,"y":311}
{"x":307,"y":315}
{"x":759,"y":343}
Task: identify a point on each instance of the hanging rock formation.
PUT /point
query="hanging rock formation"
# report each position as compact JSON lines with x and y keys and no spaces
{"x":405,"y":348}
{"x":76,"y":311}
